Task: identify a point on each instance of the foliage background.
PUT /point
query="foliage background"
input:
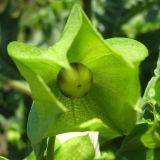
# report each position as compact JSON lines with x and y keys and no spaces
{"x":40,"y":22}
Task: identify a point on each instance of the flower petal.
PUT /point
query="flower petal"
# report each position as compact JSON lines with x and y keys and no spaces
{"x":37,"y":60}
{"x":131,"y":50}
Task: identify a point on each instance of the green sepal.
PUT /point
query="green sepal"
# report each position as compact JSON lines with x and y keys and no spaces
{"x":131,"y":50}
{"x":115,"y":92}
{"x":79,"y":147}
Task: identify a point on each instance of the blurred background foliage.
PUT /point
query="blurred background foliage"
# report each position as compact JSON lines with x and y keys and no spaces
{"x":40,"y":23}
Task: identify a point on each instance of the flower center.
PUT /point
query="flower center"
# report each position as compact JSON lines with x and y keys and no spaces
{"x":76,"y":81}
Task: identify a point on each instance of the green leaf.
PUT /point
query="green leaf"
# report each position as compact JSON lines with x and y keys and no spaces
{"x":133,"y":141}
{"x":107,"y":155}
{"x":151,"y":139}
{"x":78,"y":148}
{"x":148,"y":154}
{"x":134,"y":145}
{"x":152,"y":92}
{"x":111,"y":99}
{"x":31,"y":156}
{"x":143,"y":136}
{"x":3,"y":158}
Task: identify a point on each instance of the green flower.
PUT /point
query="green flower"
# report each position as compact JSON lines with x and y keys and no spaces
{"x":107,"y":71}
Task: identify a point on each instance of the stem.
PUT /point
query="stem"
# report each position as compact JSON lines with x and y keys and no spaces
{"x":16,"y":84}
{"x":20,"y":86}
{"x":40,"y":149}
{"x":50,"y":148}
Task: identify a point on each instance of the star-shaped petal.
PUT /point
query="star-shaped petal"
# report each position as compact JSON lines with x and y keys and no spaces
{"x":108,"y":107}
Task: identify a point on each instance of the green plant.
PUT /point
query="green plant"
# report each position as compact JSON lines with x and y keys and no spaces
{"x":111,"y":104}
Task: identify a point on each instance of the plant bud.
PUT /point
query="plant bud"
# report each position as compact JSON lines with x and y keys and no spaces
{"x":76,"y":81}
